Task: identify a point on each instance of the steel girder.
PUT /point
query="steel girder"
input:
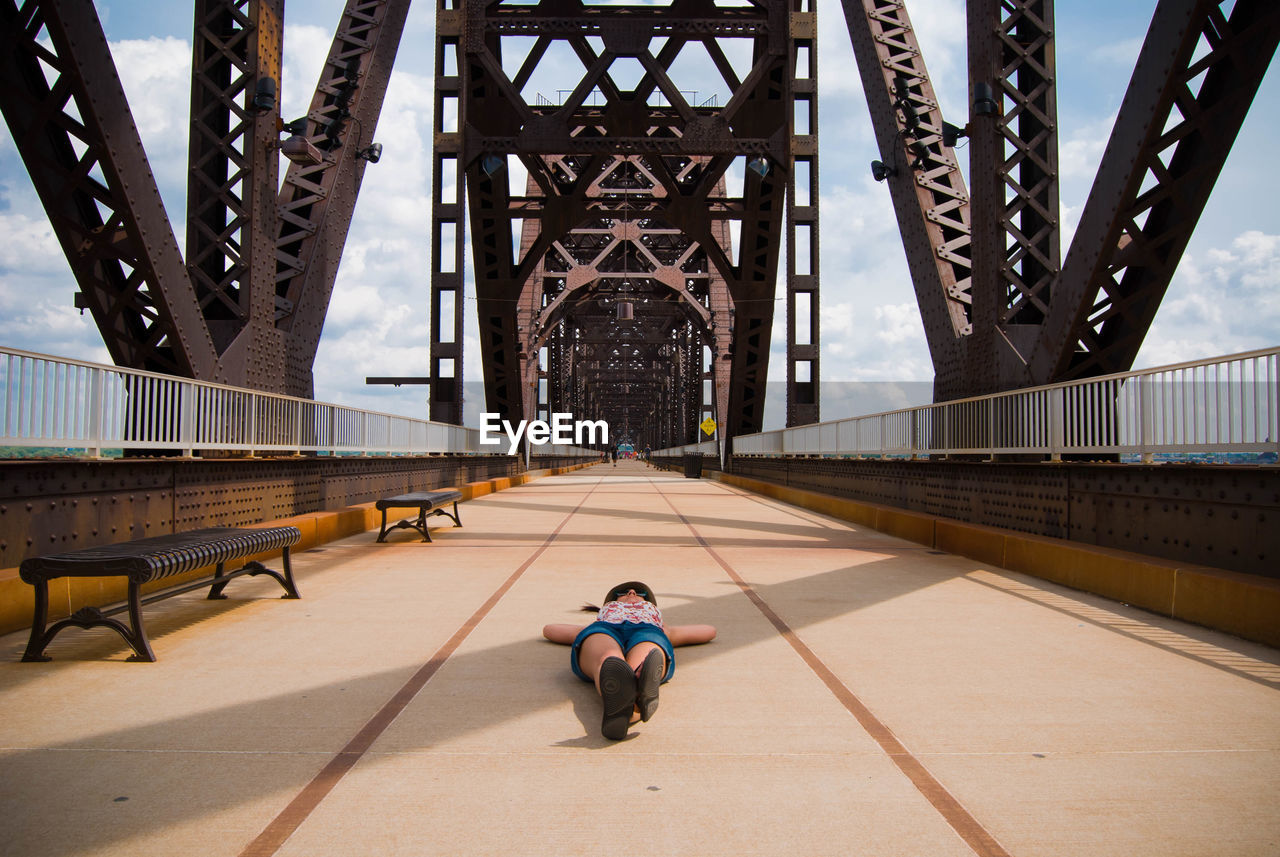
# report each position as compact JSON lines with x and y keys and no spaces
{"x":317,"y":201}
{"x":1195,"y":79}
{"x":1013,"y":153}
{"x":487,"y":126}
{"x":232,"y":179}
{"x":802,"y":228}
{"x":78,"y":140}
{"x":624,"y":291}
{"x":248,"y":306}
{"x":1000,"y":310}
{"x":928,"y":191}
{"x":448,"y":225}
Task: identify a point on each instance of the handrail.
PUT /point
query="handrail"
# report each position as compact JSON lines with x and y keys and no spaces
{"x":1226,"y":404}
{"x":48,"y":401}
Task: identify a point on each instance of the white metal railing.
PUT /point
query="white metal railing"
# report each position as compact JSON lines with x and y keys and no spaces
{"x":1223,"y":405}
{"x":706,"y":447}
{"x":71,"y":404}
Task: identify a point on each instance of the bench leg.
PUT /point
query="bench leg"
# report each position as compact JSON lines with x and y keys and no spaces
{"x":215,"y":591}
{"x":39,"y":616}
{"x":88,"y":617}
{"x":254,"y":568}
{"x":138,"y":639}
{"x":421,"y":525}
{"x":454,"y":514}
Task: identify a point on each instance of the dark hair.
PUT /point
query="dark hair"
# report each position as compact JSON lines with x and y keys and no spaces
{"x":621,"y":589}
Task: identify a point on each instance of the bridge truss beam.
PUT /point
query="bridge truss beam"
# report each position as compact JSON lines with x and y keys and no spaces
{"x":71,"y":123}
{"x":625,"y":181}
{"x":247,"y":305}
{"x":1001,"y":308}
{"x":1196,"y":76}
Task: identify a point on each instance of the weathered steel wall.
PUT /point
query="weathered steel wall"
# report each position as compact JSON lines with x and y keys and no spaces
{"x":49,"y":506}
{"x":1223,"y":516}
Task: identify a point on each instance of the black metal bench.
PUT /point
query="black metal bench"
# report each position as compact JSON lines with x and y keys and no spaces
{"x":145,"y":560}
{"x":427,"y":503}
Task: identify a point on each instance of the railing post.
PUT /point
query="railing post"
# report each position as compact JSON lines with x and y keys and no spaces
{"x":1146,"y":418}
{"x":187,"y":419}
{"x":253,"y":424}
{"x":1273,"y":404}
{"x":95,"y":412}
{"x":1057,"y":418}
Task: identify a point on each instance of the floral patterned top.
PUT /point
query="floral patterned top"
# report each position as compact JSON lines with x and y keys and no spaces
{"x":626,"y":611}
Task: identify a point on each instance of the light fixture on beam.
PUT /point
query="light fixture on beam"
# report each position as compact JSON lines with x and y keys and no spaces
{"x":952,"y":133}
{"x":264,"y":95}
{"x":301,"y":151}
{"x":759,"y":165}
{"x":297,"y":148}
{"x":984,"y":100}
{"x":371,"y":153}
{"x":920,"y":151}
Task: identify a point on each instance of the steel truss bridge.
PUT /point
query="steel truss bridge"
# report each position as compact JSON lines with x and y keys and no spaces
{"x":629,"y":242}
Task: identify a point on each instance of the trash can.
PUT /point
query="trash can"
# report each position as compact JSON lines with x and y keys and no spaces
{"x":693,"y":465}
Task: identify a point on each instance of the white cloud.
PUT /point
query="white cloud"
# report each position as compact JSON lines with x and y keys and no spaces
{"x":1224,"y":301}
{"x":156,"y":75}
{"x":306,"y":47}
{"x":29,"y":245}
{"x":1080,"y":151}
{"x":1122,"y":54}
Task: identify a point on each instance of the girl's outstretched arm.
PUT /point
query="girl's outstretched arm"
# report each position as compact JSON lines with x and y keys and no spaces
{"x":690,"y":635}
{"x":563,"y":634}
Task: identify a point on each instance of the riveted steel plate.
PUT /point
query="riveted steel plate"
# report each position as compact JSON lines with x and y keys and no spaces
{"x":1223,"y":516}
{"x":51,"y":506}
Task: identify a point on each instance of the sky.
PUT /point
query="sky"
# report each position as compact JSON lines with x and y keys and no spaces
{"x":1223,"y":299}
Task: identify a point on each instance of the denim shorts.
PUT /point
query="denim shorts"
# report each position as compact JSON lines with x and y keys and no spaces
{"x":627,"y":634}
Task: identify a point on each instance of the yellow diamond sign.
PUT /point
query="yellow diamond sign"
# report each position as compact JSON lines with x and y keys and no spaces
{"x":708,"y":426}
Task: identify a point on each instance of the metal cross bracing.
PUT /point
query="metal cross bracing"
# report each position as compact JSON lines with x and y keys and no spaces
{"x":626,"y":185}
{"x":247,"y":303}
{"x":1001,"y":308}
{"x":1195,"y":79}
{"x":703,"y":196}
{"x":629,"y":295}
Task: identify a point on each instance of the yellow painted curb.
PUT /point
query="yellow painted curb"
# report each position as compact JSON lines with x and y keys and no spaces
{"x":985,"y":544}
{"x":1242,"y":604}
{"x":912,"y":526}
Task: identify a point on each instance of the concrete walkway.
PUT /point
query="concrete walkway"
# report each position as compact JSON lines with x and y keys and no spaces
{"x":865,"y":696}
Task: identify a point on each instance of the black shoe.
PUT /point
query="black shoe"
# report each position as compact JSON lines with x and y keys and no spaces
{"x":618,"y":692}
{"x":648,"y":679}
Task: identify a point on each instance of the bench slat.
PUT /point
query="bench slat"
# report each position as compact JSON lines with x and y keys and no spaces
{"x":427,"y":503}
{"x":418,"y":498}
{"x":153,"y":558}
{"x":143,"y":560}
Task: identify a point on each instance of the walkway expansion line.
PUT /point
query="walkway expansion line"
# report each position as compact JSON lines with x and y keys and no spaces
{"x":269,"y":841}
{"x":969,"y":828}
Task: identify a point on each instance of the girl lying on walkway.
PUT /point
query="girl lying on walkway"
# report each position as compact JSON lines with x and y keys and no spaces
{"x":627,"y":652}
